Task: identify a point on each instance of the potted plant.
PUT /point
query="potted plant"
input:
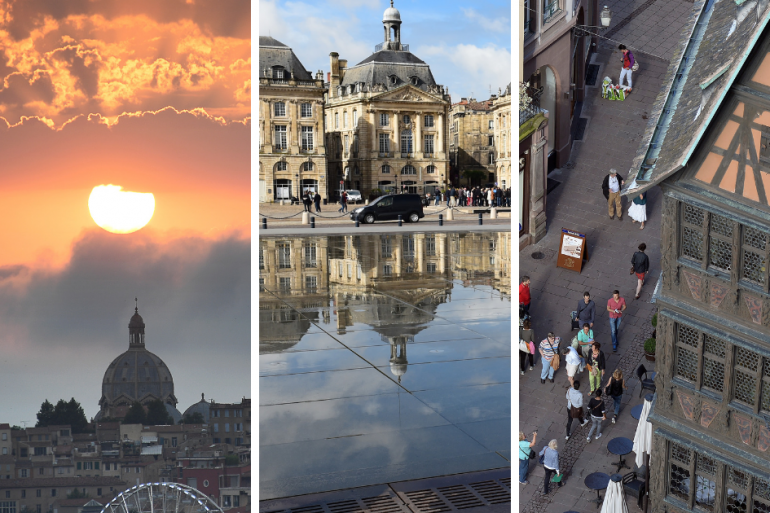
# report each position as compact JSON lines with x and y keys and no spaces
{"x":649,"y":349}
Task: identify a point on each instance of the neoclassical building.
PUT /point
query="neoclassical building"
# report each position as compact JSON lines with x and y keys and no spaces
{"x":472,"y":142}
{"x":386,"y":120}
{"x":292,"y":154}
{"x":502,"y":121}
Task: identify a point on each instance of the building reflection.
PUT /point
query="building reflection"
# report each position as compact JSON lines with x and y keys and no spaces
{"x":390,"y":283}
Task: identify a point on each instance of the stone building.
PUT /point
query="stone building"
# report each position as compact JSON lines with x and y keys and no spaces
{"x":533,"y":174}
{"x":503,"y":122}
{"x":472,"y":142}
{"x":386,"y":120}
{"x":711,"y":413}
{"x":292,"y":153}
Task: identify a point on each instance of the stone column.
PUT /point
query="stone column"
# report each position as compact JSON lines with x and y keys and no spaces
{"x":375,"y":141}
{"x":440,"y":142}
{"x":418,"y":135}
{"x":396,"y":134}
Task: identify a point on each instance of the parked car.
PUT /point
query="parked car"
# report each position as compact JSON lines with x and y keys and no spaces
{"x":389,"y":207}
{"x":354,"y":196}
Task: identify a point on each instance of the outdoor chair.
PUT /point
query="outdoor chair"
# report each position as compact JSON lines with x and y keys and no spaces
{"x":634,"y":487}
{"x":647,"y":384}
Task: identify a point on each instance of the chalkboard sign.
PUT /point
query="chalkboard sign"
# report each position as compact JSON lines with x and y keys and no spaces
{"x":572,"y":250}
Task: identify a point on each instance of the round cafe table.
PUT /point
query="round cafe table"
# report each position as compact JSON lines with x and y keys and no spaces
{"x":636,"y":411}
{"x":597,"y":481}
{"x":620,"y":446}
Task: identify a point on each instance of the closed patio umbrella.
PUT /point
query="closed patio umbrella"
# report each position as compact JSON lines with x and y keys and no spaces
{"x":643,"y":436}
{"x":615,"y":497}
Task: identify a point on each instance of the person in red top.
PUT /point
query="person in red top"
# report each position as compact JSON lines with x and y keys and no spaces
{"x":615,"y":307}
{"x":524,"y":296}
{"x":628,"y":64}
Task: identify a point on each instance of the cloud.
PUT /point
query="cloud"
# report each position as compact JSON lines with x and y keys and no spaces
{"x":488,"y":65}
{"x":495,"y":25}
{"x":194,"y":296}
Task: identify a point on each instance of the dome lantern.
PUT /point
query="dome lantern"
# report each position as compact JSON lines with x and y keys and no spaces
{"x":136,"y":328}
{"x":391,"y":19}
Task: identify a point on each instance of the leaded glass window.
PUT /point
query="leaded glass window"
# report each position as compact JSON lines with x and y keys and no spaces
{"x":713,"y":363}
{"x":688,"y":343}
{"x":746,"y":375}
{"x":721,"y":243}
{"x":692,"y":232}
{"x":705,"y":482}
{"x":679,"y":472}
{"x":754,"y":261}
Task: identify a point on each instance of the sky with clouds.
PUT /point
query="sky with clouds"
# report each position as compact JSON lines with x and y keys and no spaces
{"x":154,"y":97}
{"x":466,"y":44}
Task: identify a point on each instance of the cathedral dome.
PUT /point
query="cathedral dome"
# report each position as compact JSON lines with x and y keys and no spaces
{"x":391,"y":14}
{"x":136,"y":375}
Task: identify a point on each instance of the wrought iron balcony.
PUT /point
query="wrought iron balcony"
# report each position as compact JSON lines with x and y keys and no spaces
{"x":382,"y":45}
{"x":406,"y":155}
{"x":386,"y":154}
{"x":533,"y":108}
{"x":428,"y":155}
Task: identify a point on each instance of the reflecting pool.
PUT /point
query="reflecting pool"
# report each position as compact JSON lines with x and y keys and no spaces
{"x":382,"y":358}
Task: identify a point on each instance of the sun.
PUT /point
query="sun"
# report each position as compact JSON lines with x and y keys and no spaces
{"x":119,"y":211}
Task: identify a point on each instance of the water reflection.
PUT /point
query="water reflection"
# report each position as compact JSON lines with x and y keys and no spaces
{"x":369,"y":339}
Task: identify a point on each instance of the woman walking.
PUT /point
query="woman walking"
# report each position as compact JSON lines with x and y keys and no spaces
{"x":527,"y":335}
{"x":549,"y":348}
{"x":638,"y":209}
{"x":550,"y":463}
{"x":640,"y":266}
{"x":614,"y":389}
{"x":524,"y":449}
{"x":596,"y":408}
{"x":596,"y":363}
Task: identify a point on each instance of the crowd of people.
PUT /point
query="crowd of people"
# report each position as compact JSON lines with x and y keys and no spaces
{"x":472,"y":197}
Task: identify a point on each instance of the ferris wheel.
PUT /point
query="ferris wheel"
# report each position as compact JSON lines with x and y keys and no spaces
{"x":161,"y":498}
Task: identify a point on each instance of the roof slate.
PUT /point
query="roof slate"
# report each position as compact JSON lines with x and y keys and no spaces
{"x":380,"y":66}
{"x":683,"y":110}
{"x":274,"y":53}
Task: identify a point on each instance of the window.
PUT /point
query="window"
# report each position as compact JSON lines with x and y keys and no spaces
{"x":279,"y":73}
{"x":41,"y":471}
{"x":344,"y":119}
{"x":356,"y":172}
{"x":236,"y":501}
{"x":346,"y":147}
{"x":39,"y":451}
{"x":754,"y":256}
{"x":408,"y":170}
{"x":226,"y":503}
{"x":692,"y":232}
{"x":407,"y":120}
{"x":429,"y":120}
{"x":24,"y":494}
{"x":387,"y":270}
{"x":173,"y":441}
{"x":428,"y":144}
{"x":306,"y":110}
{"x":53,"y":492}
{"x":309,"y":252}
{"x":99,"y":492}
{"x":491,"y":124}
{"x":38,"y":493}
{"x":5,"y":450}
{"x":336,"y":120}
{"x":431,"y":268}
{"x":358,"y":272}
{"x":679,"y":472}
{"x":284,"y":285}
{"x":106,"y":466}
{"x":284,"y":262}
{"x":5,"y":437}
{"x":721,"y":243}
{"x":307,"y":138}
{"x":280,"y":137}
{"x":491,"y":140}
{"x":280,"y":109}
{"x":281,"y":166}
{"x":752,"y":379}
{"x":431,"y":170}
{"x":38,"y":508}
{"x":406,"y":142}
{"x":386,"y":246}
{"x":386,"y":169}
{"x":355,"y":118}
{"x":705,"y":482}
{"x":227,"y":427}
{"x":407,"y":245}
{"x":384,"y":120}
{"x":694,"y":347}
{"x":384,"y":143}
{"x":491,"y":158}
{"x":8,"y":507}
{"x":23,"y":473}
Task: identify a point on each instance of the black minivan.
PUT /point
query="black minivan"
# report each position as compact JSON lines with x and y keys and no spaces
{"x":389,"y":207}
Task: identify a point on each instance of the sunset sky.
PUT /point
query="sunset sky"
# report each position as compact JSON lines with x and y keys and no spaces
{"x":154,"y":97}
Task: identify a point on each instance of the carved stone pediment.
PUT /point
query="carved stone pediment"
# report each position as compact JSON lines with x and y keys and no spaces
{"x":406,"y":94}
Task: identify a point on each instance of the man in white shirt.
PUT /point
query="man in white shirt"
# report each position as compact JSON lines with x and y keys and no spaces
{"x":574,"y":406}
{"x":573,"y":362}
{"x":611,"y":188}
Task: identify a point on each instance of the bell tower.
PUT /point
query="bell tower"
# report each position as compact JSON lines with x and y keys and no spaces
{"x":136,"y":329}
{"x":391,"y":20}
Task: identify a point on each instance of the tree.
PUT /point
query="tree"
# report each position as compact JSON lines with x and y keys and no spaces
{"x":194,"y":418}
{"x":474,"y":176}
{"x":157,"y":415}
{"x":77,"y":494}
{"x":65,"y":413}
{"x":232,"y":460}
{"x":45,"y":415}
{"x":135,"y":415}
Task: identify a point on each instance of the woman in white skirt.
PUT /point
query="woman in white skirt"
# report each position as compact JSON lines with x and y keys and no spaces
{"x":638,"y":209}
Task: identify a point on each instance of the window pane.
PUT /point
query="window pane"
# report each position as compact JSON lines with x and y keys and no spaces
{"x":713,"y":374}
{"x":693,"y":215}
{"x":754,"y":238}
{"x":745,"y":387}
{"x":715,"y":346}
{"x":679,"y":482}
{"x":720,"y":254}
{"x":705,"y":492}
{"x":754,"y":267}
{"x":692,"y":243}
{"x":688,"y":336}
{"x":746,"y":358}
{"x":721,"y":225}
{"x":686,"y":364}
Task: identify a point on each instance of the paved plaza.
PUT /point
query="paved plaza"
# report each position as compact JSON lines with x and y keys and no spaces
{"x":369,"y":379}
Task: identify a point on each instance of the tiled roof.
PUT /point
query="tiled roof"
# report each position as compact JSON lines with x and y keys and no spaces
{"x":719,"y":37}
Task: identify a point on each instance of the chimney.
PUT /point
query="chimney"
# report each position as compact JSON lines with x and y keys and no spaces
{"x":328,"y":77}
{"x":335,"y":78}
{"x":463,"y":100}
{"x":343,"y":68}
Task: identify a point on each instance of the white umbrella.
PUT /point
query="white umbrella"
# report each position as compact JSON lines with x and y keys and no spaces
{"x":643,"y":435}
{"x":615,"y":497}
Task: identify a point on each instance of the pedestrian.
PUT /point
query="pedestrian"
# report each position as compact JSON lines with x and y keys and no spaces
{"x":490,"y":197}
{"x":306,"y":201}
{"x":550,"y":458}
{"x":596,"y":365}
{"x":437,"y":201}
{"x":615,"y":306}
{"x":343,"y":202}
{"x":614,"y":389}
{"x":448,"y":196}
{"x":611,"y":189}
{"x":549,"y":349}
{"x":572,"y":360}
{"x":525,"y":297}
{"x":526,"y":338}
{"x":596,"y":408}
{"x":525,"y":448}
{"x":628,"y":64}
{"x":574,"y":406}
{"x":585,"y":313}
{"x":638,"y":209}
{"x":317,"y":201}
{"x":640,"y":265}
{"x":585,"y":343}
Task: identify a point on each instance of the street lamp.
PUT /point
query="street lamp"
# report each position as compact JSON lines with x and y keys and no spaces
{"x":605,"y":18}
{"x":296,"y":176}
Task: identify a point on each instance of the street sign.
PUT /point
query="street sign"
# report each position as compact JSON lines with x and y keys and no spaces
{"x":572,"y":250}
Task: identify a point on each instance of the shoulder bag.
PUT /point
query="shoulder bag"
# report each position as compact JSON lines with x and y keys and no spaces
{"x":523,"y":346}
{"x":542,"y":458}
{"x":555,"y":360}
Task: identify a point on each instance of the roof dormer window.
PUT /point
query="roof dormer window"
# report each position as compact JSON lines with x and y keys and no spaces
{"x":279,"y":73}
{"x":339,"y":91}
{"x":414,"y":80}
{"x":393,"y":79}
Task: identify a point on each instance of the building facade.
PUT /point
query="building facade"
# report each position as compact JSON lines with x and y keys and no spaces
{"x":533,"y":174}
{"x":292,"y":153}
{"x":472,"y":146}
{"x":386,"y":120}
{"x":711,"y":413}
{"x":503,"y":122}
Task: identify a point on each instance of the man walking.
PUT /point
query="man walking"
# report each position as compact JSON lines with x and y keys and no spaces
{"x":611,"y":189}
{"x":525,"y":296}
{"x":597,"y":364}
{"x":317,"y":201}
{"x":586,"y":311}
{"x":574,"y":406}
{"x":343,"y":202}
{"x":615,"y":306}
{"x":628,"y":63}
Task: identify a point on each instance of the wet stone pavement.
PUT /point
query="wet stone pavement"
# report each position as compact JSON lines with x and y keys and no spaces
{"x":383,"y":358}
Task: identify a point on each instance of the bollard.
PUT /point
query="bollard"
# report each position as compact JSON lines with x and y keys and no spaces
{"x":450,"y":216}
{"x":281,"y":202}
{"x":305,"y":217}
{"x":481,"y":221}
{"x":366,"y":202}
{"x":441,"y":219}
{"x":399,"y":220}
{"x":312,"y":221}
{"x":493,"y":213}
{"x":264,"y":223}
{"x":325,"y":201}
{"x":356,"y":222}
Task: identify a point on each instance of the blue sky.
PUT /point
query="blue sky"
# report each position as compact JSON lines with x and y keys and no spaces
{"x":466,"y":44}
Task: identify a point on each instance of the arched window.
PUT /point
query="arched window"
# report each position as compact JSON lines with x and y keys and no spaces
{"x":430,"y":170}
{"x":281,"y":166}
{"x":406,"y":142}
{"x":307,"y":166}
{"x":408,"y":170}
{"x":279,"y":109}
{"x":386,"y":169}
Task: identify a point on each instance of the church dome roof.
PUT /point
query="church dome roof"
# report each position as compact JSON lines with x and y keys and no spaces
{"x":391,"y":14}
{"x":203,"y":407}
{"x":136,"y":321}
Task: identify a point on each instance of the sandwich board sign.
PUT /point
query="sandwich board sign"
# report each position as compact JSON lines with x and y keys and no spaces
{"x":572,"y":250}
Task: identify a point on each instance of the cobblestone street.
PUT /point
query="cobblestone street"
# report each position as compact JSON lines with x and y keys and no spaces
{"x":613,"y":131}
